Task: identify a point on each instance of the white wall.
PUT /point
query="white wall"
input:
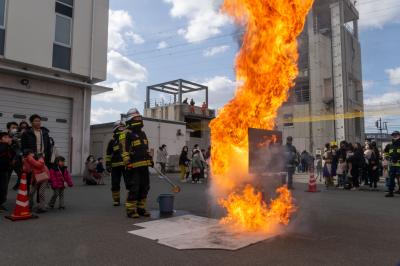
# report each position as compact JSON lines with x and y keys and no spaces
{"x":157,"y":133}
{"x":30,"y":30}
{"x":80,"y":130}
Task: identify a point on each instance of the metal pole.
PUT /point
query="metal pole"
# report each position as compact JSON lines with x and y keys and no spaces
{"x":148,"y":97}
{"x":180,"y":92}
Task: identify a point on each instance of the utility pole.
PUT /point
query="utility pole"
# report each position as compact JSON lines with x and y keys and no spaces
{"x":381,"y":126}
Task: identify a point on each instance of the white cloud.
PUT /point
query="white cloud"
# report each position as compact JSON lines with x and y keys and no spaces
{"x":221,"y":90}
{"x":215,"y":50}
{"x":394,"y":75}
{"x":162,"y":45}
{"x":136,"y":38}
{"x":123,"y":68}
{"x":123,"y":92}
{"x":102,"y":115}
{"x":383,"y":100}
{"x":375,"y":14}
{"x":118,"y":22}
{"x":205,"y":18}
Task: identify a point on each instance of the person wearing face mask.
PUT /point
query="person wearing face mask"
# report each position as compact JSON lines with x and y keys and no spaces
{"x":393,"y":155}
{"x":12,"y":128}
{"x":137,"y":160}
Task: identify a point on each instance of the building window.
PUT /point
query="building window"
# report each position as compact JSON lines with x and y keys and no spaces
{"x":288,"y":120}
{"x":2,"y":25}
{"x":63,"y":34}
{"x":302,"y":94}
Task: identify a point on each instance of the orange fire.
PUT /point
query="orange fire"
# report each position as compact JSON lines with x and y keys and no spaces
{"x":266,"y":66}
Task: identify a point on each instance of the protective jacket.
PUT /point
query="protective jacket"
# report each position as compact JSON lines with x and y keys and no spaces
{"x":394,"y":154}
{"x":135,"y":147}
{"x":114,"y":151}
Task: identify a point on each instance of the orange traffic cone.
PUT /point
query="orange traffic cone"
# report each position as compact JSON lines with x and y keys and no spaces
{"x":22,"y":211}
{"x":312,"y":183}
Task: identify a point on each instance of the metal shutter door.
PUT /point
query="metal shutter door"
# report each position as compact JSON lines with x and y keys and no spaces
{"x":17,"y":106}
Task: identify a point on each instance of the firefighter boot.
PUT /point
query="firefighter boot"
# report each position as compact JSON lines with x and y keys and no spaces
{"x":131,"y":209}
{"x":141,"y":208}
{"x":116,"y":198}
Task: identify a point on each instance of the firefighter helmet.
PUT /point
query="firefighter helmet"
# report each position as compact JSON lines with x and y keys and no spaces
{"x":132,"y":113}
{"x":118,"y":125}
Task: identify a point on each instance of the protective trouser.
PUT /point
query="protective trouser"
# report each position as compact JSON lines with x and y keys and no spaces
{"x":116,"y":174}
{"x":138,"y":186}
{"x":394,"y":172}
{"x":57,"y":193}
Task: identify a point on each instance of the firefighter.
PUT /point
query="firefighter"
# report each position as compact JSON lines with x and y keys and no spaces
{"x":137,"y":161}
{"x":114,"y":163}
{"x":394,"y":162}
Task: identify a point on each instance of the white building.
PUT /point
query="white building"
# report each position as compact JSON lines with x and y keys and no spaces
{"x":52,"y":52}
{"x":159,"y":132}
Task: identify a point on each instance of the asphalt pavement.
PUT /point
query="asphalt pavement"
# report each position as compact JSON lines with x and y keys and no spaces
{"x":332,"y":227}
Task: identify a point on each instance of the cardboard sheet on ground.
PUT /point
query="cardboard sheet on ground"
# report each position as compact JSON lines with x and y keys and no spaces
{"x":195,"y":232}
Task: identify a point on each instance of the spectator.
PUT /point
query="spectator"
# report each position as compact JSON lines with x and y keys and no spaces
{"x":6,"y":158}
{"x":318,"y":166}
{"x":59,"y":175}
{"x":184,"y":163}
{"x":12,"y":128}
{"x":37,"y":139}
{"x":204,"y":108}
{"x":327,"y":170}
{"x":192,"y":105}
{"x":162,"y":158}
{"x":186,"y":101}
{"x":90,"y":171}
{"x":341,"y":172}
{"x":197,"y":167}
{"x":23,"y":126}
{"x":291,"y":160}
{"x":35,"y":166}
{"x":100,"y":171}
{"x":353,"y":166}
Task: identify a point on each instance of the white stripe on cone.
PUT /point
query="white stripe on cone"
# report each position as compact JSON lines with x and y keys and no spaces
{"x":23,"y":193}
{"x":23,"y":181}
{"x":22,"y":204}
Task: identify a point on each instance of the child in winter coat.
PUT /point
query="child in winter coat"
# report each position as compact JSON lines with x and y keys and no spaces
{"x":6,"y":158}
{"x":35,"y":166}
{"x":59,"y":175}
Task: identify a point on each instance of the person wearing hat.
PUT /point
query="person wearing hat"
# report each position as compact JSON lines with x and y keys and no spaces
{"x":114,"y":163}
{"x":394,"y":162}
{"x":137,"y":159}
{"x":6,"y":158}
{"x":291,"y":160}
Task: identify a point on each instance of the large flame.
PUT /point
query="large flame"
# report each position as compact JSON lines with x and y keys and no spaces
{"x":266,"y":67}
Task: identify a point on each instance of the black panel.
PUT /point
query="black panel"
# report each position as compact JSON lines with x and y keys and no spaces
{"x":64,"y":10}
{"x":61,"y":57}
{"x":18,"y":116}
{"x":44,"y":118}
{"x":58,"y":120}
{"x":2,"y":40}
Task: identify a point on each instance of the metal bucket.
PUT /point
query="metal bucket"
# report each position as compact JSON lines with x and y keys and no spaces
{"x":166,"y":203}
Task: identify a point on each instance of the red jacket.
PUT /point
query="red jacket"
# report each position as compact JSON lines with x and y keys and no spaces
{"x":31,"y":165}
{"x":58,"y":177}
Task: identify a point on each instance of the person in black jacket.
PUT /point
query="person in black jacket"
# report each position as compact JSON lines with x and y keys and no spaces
{"x":184,"y":164}
{"x":37,"y":139}
{"x":6,"y":158}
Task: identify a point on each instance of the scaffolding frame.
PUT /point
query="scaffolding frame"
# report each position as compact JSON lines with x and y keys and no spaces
{"x":177,"y":88}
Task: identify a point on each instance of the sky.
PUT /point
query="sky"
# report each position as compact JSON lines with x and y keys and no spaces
{"x":155,"y":41}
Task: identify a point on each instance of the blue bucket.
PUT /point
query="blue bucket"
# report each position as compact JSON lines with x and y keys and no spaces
{"x":166,"y":203}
